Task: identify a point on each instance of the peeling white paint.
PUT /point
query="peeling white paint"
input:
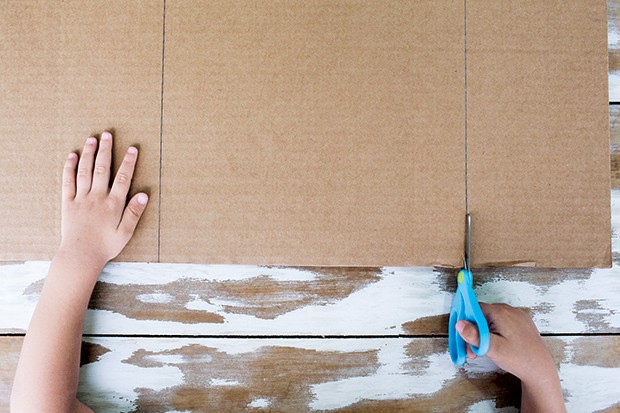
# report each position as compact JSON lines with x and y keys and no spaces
{"x":590,"y":388}
{"x":170,"y":358}
{"x":390,"y":382}
{"x":489,"y":406}
{"x":614,"y":86}
{"x":16,"y":307}
{"x":108,"y":384}
{"x":562,"y":314}
{"x":198,"y":304}
{"x":480,"y":366}
{"x":154,"y":298}
{"x":408,"y":293}
{"x":615,"y":211}
{"x":221,"y":302}
{"x":260,"y":403}
{"x":161,"y":273}
{"x":223,"y":382}
{"x":613,"y":37}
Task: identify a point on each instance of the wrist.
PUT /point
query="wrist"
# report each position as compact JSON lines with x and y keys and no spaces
{"x":70,"y":281}
{"x":86,"y":259}
{"x":82,"y":269}
{"x":544,"y":376}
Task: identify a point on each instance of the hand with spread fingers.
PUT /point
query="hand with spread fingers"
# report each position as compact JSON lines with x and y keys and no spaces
{"x":517,"y":347}
{"x":95,"y":220}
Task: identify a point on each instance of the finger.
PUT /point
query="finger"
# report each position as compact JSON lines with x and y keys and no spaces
{"x":488,"y":310}
{"x":469,"y":332}
{"x":470,"y":354}
{"x":68,"y":177}
{"x":101,"y":173}
{"x":122,"y":180}
{"x":85,"y":166}
{"x":132,"y":214}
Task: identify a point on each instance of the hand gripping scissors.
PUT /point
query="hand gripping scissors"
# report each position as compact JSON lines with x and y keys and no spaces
{"x":465,"y":307}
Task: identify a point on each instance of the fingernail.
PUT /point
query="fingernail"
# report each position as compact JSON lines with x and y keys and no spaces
{"x":71,"y":155}
{"x":143,"y":199}
{"x":460,"y":325}
{"x":106,"y":136}
{"x":91,"y":141}
{"x":132,"y":150}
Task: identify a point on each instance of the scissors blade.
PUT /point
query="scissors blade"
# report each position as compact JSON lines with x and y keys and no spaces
{"x":467,"y":242}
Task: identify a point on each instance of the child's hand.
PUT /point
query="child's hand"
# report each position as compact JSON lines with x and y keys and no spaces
{"x":96,"y":224}
{"x":516,"y":347}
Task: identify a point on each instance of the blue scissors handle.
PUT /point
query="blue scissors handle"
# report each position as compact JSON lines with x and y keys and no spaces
{"x":465,"y":307}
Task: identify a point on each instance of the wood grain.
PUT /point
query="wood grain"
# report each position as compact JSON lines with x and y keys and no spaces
{"x":283,"y":375}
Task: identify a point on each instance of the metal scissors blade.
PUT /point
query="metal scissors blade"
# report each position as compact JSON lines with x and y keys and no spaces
{"x":467,"y":242}
{"x":465,"y":306}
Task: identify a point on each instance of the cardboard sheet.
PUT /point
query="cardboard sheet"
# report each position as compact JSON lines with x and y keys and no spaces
{"x":537,"y":133}
{"x":307,"y":133}
{"x":71,"y":69}
{"x":317,"y":133}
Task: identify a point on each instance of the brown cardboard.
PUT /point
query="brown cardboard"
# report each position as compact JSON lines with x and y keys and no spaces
{"x":318,"y":133}
{"x":307,"y":133}
{"x":537,"y":133}
{"x":68,"y":70}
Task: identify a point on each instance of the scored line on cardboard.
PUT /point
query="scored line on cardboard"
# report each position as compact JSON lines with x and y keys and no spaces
{"x":465,"y":95}
{"x":161,"y":131}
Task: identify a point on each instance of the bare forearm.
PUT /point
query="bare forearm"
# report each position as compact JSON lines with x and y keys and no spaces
{"x":48,"y":369}
{"x":543,"y":395}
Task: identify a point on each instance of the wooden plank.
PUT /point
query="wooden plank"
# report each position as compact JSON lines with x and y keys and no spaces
{"x":134,"y":298}
{"x":374,"y":375}
{"x":9,"y":354}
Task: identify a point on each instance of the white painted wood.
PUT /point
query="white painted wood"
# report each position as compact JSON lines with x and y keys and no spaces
{"x":114,"y":382}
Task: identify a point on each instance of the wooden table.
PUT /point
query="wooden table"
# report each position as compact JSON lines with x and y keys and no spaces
{"x":168,"y":337}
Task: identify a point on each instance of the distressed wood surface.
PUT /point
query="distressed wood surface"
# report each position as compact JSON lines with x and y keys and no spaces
{"x":134,"y":298}
{"x":341,"y":375}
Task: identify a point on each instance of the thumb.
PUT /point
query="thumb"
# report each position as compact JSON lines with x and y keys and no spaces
{"x":132,"y":213}
{"x":469,"y":332}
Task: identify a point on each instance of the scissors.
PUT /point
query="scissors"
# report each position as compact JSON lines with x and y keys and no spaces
{"x":465,"y":307}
